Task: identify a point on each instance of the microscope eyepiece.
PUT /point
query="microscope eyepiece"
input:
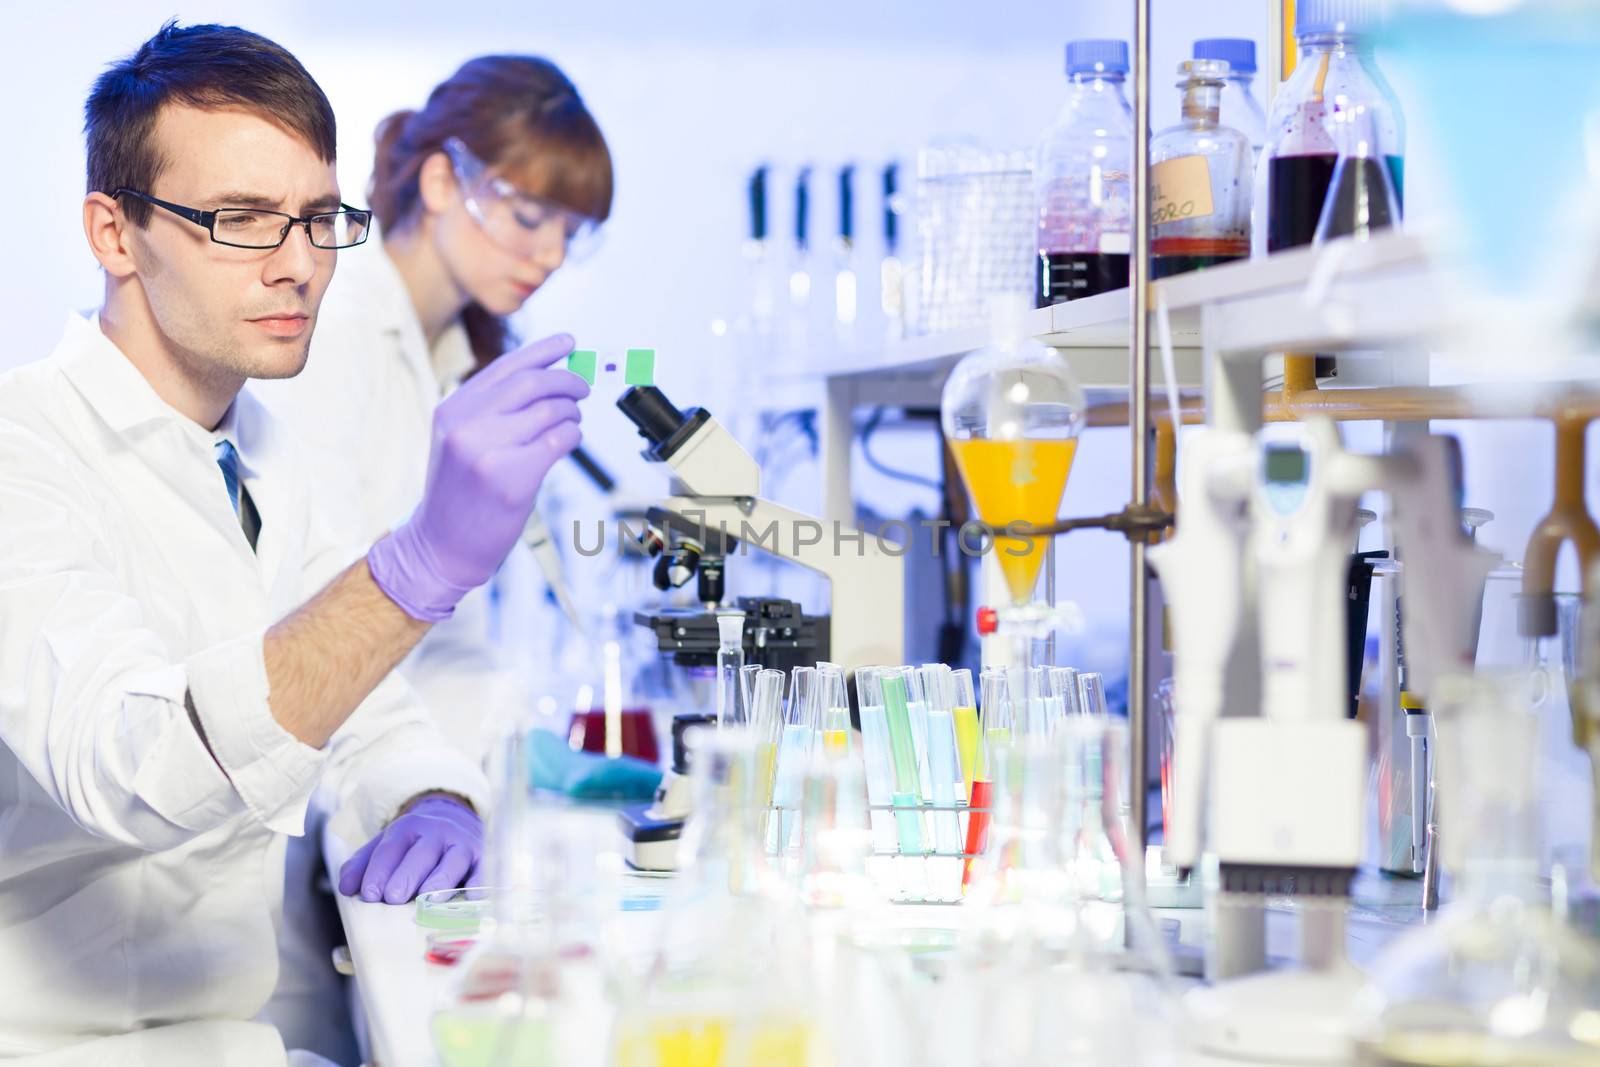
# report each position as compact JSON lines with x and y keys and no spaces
{"x":663,"y":425}
{"x":649,"y":409}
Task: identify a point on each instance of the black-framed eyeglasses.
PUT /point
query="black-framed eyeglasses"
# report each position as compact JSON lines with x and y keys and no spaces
{"x":249,"y":227}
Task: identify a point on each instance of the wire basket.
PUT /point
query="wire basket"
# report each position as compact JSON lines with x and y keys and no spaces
{"x":930,"y":873}
{"x":975,"y":226}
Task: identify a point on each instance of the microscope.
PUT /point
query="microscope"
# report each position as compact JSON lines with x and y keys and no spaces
{"x":713,"y":513}
{"x":1271,"y":773}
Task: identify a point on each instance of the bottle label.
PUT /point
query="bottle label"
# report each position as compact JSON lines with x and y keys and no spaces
{"x":1180,"y":189}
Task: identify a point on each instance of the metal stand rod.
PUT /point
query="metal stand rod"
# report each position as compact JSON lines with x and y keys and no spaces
{"x":1138,"y":428}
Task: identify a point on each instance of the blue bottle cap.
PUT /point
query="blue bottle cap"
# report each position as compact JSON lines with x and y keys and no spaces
{"x":1238,"y":52}
{"x":1097,"y":57}
{"x":1338,"y":16}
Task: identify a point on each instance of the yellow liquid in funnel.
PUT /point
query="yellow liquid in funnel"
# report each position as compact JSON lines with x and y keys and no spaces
{"x":1016,"y":481}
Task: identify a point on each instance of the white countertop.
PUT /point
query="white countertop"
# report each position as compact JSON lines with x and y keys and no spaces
{"x":399,"y":990}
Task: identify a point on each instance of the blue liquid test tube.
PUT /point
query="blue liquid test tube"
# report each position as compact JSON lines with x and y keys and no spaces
{"x":794,"y":749}
{"x":938,"y":690}
{"x":875,"y":756}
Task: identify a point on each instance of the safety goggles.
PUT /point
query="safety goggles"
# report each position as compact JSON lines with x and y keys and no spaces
{"x":519,"y":222}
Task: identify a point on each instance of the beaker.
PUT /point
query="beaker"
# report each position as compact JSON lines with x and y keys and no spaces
{"x":1497,"y":979}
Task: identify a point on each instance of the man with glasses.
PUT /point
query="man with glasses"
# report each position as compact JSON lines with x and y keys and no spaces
{"x":187,"y":654}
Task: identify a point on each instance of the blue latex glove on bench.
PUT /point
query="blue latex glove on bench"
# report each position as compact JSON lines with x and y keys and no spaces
{"x":554,"y":764}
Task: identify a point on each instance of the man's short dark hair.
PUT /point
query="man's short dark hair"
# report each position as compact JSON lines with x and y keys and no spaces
{"x":199,"y":66}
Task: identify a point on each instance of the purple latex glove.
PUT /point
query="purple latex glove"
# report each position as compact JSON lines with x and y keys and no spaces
{"x":435,"y":845}
{"x":494,"y":440}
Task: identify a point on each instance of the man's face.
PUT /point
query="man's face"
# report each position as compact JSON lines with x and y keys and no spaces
{"x":234,"y":312}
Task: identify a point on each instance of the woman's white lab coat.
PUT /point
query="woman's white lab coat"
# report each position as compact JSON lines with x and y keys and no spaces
{"x":363,"y":407}
{"x":141,"y":882}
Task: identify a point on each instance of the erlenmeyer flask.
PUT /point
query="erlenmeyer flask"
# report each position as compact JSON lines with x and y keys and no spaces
{"x":531,"y":991}
{"x":728,"y":986}
{"x":1057,"y":974}
{"x":1361,"y":199}
{"x":1497,"y":979}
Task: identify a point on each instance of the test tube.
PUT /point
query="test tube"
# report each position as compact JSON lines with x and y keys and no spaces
{"x":997,"y":737}
{"x":875,"y":755}
{"x":903,"y":753}
{"x":794,"y":748}
{"x":833,"y":707}
{"x":943,"y":763}
{"x":747,"y":683}
{"x":730,"y":662}
{"x":1064,"y":683}
{"x":917,"y":712}
{"x":1092,"y":693}
{"x":1047,"y":708}
{"x":1029,"y":705}
{"x":766,"y":721}
{"x":965,"y":714}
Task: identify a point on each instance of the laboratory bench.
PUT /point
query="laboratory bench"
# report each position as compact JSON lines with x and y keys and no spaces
{"x":398,"y":990}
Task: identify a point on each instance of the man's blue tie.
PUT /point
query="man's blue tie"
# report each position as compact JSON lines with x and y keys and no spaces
{"x":228,"y":460}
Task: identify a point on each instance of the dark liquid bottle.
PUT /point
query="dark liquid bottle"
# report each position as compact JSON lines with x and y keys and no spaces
{"x":1297,"y":187}
{"x":1064,"y":276}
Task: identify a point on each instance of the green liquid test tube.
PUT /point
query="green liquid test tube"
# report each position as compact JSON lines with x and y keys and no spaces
{"x":903,"y":754}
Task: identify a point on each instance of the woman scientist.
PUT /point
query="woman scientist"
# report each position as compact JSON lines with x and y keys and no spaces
{"x":479,"y":197}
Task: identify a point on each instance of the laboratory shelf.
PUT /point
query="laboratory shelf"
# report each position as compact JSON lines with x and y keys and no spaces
{"x":1091,"y":333}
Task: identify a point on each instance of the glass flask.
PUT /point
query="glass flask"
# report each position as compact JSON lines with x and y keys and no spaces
{"x":1361,"y":196}
{"x":1497,"y":979}
{"x":1011,"y":412}
{"x":1081,"y":180}
{"x":1336,"y":72}
{"x":1052,"y":967}
{"x":1200,"y":176}
{"x":533,"y":990}
{"x":1240,"y":108}
{"x":728,"y":986}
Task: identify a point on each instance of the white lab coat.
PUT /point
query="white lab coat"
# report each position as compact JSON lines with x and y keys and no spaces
{"x":364,"y":407}
{"x":140,"y":884}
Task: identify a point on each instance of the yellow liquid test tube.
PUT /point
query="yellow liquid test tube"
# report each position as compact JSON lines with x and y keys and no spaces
{"x":836,"y":743}
{"x":968,"y":747}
